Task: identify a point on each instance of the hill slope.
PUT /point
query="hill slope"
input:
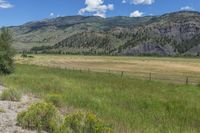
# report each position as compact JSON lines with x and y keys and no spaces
{"x":169,"y":34}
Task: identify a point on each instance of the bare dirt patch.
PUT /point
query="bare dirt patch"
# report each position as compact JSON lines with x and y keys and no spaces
{"x":9,"y":114}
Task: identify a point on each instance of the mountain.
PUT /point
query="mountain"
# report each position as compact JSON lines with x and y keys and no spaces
{"x":172,"y":34}
{"x":50,"y":31}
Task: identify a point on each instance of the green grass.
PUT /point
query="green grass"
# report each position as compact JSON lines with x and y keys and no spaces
{"x":2,"y":110}
{"x":172,"y":70}
{"x":130,"y":105}
{"x":10,"y":95}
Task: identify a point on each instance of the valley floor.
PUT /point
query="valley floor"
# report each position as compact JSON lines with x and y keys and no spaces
{"x":173,"y":70}
{"x":129,"y":104}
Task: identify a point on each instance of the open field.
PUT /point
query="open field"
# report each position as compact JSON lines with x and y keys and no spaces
{"x":165,"y":69}
{"x":129,"y":104}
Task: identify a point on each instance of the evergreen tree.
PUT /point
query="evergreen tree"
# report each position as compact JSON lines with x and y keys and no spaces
{"x":6,"y":52}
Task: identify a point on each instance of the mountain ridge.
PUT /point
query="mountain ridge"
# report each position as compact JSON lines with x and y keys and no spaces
{"x":169,"y":34}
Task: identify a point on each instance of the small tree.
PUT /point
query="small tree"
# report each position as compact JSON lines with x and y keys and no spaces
{"x":24,"y":54}
{"x":6,"y":52}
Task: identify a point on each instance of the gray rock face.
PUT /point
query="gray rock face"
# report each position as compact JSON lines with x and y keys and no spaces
{"x":149,"y":49}
{"x":195,"y":51}
{"x":179,"y":31}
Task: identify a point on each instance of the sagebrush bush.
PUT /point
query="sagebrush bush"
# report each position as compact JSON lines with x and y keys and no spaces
{"x":55,"y":99}
{"x":11,"y":95}
{"x":84,"y":123}
{"x":40,"y":116}
{"x":45,"y":116}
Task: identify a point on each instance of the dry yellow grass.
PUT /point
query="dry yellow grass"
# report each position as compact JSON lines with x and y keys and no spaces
{"x":175,"y":68}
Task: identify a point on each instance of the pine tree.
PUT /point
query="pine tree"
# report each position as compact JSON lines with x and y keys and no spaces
{"x":6,"y":52}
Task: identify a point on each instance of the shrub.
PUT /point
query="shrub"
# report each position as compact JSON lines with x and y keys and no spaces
{"x":30,"y":56}
{"x":55,"y":99}
{"x":44,"y":116}
{"x":39,"y":116}
{"x":198,"y":85}
{"x":84,"y":123}
{"x":24,"y":55}
{"x":11,"y":95}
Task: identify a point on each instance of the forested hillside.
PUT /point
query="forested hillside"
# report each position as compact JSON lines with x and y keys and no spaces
{"x":167,"y":35}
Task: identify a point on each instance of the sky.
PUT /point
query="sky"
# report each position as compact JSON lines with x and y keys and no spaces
{"x":17,"y":12}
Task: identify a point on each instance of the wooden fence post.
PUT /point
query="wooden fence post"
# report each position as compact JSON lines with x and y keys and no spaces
{"x":122,"y":74}
{"x":150,"y":76}
{"x":109,"y":71}
{"x":187,"y":81}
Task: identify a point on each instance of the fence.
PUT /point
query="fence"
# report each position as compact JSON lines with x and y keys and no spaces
{"x":152,"y":76}
{"x":181,"y":78}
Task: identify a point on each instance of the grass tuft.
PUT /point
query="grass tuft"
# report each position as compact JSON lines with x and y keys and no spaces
{"x":2,"y":110}
{"x":11,"y":95}
{"x":55,"y":99}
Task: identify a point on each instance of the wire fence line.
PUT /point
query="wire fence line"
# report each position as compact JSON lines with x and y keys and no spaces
{"x":151,"y":76}
{"x":179,"y":78}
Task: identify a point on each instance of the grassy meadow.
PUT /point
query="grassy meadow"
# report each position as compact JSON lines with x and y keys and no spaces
{"x":130,"y":104}
{"x":174,"y":70}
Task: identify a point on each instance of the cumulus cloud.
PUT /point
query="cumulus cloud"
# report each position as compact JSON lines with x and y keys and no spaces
{"x":124,"y":1}
{"x":187,"y":8}
{"x":136,"y":14}
{"x":4,"y":4}
{"x":97,"y":7}
{"x":137,"y":2}
{"x":146,"y":2}
{"x":51,"y":14}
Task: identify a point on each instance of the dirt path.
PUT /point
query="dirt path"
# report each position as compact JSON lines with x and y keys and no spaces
{"x":9,"y":114}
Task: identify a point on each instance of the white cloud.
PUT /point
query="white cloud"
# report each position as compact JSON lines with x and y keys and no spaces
{"x":124,"y":1}
{"x":103,"y":15}
{"x":4,"y":4}
{"x":136,"y":14}
{"x":145,"y":2}
{"x":137,"y":2}
{"x":51,"y":14}
{"x":187,"y":8}
{"x":97,"y":7}
{"x":110,"y":7}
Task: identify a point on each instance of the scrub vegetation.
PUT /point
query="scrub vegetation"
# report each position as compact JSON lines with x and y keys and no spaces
{"x":128,"y":104}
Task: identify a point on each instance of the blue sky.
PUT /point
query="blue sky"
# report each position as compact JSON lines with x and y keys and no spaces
{"x":16,"y":12}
